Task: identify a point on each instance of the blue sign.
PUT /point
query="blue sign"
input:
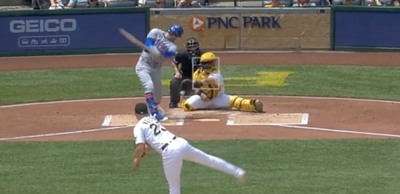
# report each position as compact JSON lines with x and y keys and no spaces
{"x":70,"y":32}
{"x":366,"y":29}
{"x":246,"y":22}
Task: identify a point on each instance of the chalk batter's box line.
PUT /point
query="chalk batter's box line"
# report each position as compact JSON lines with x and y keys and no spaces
{"x":108,"y":119}
{"x":304,"y":121}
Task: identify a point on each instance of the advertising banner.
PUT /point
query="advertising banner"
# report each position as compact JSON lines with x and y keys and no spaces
{"x":65,"y":31}
{"x":365,"y":28}
{"x":210,"y":22}
{"x":247,"y":30}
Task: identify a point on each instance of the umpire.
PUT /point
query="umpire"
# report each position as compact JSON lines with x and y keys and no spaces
{"x":183,"y":61}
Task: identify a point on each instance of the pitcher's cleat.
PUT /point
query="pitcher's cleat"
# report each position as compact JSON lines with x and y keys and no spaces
{"x":259,"y":106}
{"x":242,"y":176}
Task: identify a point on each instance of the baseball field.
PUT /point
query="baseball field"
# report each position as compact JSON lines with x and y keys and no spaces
{"x":331,"y":126}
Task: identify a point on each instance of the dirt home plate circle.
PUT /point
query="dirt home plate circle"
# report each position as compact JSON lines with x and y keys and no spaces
{"x":285,"y":117}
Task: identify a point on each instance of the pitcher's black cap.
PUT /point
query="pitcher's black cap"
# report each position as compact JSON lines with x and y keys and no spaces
{"x":141,"y":109}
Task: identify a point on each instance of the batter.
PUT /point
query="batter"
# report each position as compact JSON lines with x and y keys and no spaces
{"x":161,"y":47}
{"x":208,"y":82}
{"x":149,"y":133}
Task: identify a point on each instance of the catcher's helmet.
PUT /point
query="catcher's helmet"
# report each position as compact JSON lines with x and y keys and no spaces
{"x":207,"y":57}
{"x":208,"y":61}
{"x":193,"y":46}
{"x":176,"y":29}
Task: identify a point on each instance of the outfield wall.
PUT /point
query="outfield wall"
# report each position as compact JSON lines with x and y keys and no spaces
{"x":250,"y":28}
{"x":89,"y":31}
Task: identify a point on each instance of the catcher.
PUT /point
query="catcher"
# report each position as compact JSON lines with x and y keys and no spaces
{"x":210,"y":94}
{"x":183,"y":61}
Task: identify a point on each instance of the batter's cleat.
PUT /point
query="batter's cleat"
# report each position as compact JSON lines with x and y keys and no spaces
{"x":259,"y":106}
{"x":160,"y":117}
{"x":164,"y":119}
{"x":153,"y":109}
{"x":173,"y":105}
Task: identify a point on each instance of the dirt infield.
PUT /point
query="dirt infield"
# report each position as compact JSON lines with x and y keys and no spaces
{"x":328,"y":118}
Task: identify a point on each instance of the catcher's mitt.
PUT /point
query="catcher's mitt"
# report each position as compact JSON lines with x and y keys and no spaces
{"x":210,"y":90}
{"x":186,"y":87}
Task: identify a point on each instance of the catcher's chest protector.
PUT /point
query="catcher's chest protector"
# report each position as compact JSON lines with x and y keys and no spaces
{"x":211,"y":90}
{"x":198,"y":76}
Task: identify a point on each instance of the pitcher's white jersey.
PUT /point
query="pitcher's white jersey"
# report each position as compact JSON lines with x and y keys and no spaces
{"x":149,"y":130}
{"x":162,"y":44}
{"x":177,"y":149}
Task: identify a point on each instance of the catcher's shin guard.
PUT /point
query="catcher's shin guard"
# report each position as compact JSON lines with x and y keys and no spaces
{"x":246,"y":104}
{"x":186,"y":106}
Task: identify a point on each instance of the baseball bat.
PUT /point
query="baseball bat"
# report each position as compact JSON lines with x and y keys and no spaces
{"x":133,"y":39}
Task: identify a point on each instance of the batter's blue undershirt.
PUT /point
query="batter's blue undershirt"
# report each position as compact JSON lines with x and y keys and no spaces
{"x":150,"y":43}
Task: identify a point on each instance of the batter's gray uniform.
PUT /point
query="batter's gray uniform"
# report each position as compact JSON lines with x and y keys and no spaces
{"x":148,"y":68}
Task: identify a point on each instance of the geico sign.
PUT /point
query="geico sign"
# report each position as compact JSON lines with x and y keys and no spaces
{"x":48,"y":25}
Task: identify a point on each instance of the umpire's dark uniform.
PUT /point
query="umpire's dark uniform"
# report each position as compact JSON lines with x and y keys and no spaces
{"x":183,"y":60}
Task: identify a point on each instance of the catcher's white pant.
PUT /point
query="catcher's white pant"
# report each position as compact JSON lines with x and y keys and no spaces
{"x":179,"y":150}
{"x":221,"y":101}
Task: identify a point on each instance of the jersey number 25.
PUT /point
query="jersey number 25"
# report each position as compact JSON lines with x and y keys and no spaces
{"x":157,"y":130}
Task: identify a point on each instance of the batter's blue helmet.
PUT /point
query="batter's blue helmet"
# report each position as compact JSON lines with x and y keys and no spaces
{"x":176,"y":29}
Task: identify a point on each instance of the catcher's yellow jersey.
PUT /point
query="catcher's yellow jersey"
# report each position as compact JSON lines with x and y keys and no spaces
{"x":211,"y":90}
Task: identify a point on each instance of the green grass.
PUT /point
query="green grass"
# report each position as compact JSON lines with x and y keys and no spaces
{"x":349,"y":81}
{"x":275,"y":167}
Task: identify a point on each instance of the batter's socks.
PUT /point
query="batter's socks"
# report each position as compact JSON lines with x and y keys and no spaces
{"x":153,"y":106}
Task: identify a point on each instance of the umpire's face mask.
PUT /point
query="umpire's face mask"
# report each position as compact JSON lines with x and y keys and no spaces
{"x":193,"y":51}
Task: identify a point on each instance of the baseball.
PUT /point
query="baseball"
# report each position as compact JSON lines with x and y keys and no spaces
{"x":183,"y":93}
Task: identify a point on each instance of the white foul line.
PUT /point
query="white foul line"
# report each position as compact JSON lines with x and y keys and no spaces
{"x":338,"y":130}
{"x":61,"y":133}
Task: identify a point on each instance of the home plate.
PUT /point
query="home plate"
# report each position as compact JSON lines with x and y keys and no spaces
{"x":131,"y":120}
{"x":269,"y":119}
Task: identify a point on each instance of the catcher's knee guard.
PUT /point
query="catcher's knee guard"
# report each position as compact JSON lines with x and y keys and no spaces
{"x":245,"y":104}
{"x":186,"y":106}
